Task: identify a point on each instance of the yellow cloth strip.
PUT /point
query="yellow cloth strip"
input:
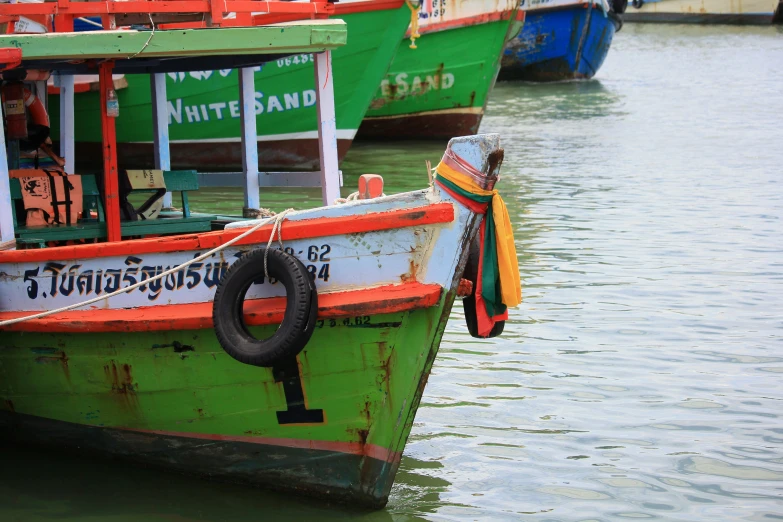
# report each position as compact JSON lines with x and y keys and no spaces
{"x":508,"y":267}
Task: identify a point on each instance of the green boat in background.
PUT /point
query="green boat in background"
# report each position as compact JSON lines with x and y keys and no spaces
{"x":204,"y":124}
{"x":439,"y":88}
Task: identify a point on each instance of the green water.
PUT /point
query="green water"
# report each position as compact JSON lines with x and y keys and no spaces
{"x":639,"y":379}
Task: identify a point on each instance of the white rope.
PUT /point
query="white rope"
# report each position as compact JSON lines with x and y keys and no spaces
{"x":148,"y":39}
{"x":278,"y":219}
{"x":90,"y":22}
{"x":278,"y":226}
{"x":353,"y":196}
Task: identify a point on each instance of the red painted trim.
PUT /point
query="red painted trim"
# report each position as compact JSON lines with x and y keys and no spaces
{"x":339,"y":10}
{"x":353,"y":448}
{"x":77,"y":88}
{"x":10,"y":57}
{"x":366,"y":7}
{"x":111,"y":186}
{"x":306,"y":228}
{"x":197,"y":316}
{"x":483,"y":18}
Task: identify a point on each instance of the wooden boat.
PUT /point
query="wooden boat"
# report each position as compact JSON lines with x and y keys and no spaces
{"x":203,"y":108}
{"x":438,"y":85}
{"x":745,"y":12}
{"x":561,"y":40}
{"x":289,"y":352}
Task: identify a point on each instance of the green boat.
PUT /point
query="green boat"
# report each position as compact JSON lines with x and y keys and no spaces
{"x":439,"y":89}
{"x":291,"y":351}
{"x":203,"y":108}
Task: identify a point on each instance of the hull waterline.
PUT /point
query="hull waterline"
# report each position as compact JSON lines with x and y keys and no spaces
{"x":561,"y":43}
{"x":723,"y":12}
{"x":440,"y":89}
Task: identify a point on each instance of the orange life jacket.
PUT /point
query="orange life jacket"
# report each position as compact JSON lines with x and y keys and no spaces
{"x":51,"y":197}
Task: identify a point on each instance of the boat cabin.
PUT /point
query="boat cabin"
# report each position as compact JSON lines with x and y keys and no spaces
{"x":43,"y":206}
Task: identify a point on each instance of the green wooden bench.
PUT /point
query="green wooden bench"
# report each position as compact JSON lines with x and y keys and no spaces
{"x":91,"y":228}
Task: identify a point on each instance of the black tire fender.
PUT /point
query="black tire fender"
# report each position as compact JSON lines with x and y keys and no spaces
{"x":299,"y":320}
{"x":469,"y":302}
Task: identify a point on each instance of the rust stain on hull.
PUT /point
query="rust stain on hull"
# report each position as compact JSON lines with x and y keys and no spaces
{"x":58,"y":357}
{"x":120,"y":379}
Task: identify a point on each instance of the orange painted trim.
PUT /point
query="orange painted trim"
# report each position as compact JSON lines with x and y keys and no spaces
{"x":463,"y":22}
{"x":352,"y":448}
{"x":304,"y":229}
{"x":198,"y":316}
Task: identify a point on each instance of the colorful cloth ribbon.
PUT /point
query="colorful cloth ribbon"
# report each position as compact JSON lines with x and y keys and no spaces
{"x":498,"y":286}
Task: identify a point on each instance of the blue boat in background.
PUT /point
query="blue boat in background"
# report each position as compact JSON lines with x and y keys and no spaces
{"x":561,"y":39}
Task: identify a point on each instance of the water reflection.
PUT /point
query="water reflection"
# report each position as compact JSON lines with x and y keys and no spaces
{"x":533,"y":103}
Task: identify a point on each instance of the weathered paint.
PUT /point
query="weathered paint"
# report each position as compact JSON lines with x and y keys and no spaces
{"x":6,"y":206}
{"x":333,"y":422}
{"x":564,"y":40}
{"x":160,"y":125}
{"x":247,"y":119}
{"x":193,"y":316}
{"x":743,"y":12}
{"x":305,"y":37}
{"x":327,"y":128}
{"x":439,"y":89}
{"x":65,"y":83}
{"x":203,"y":106}
{"x":438,"y":124}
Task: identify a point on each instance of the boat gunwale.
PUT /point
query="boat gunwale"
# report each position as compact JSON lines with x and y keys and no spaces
{"x":433,"y":213}
{"x":385,"y":299}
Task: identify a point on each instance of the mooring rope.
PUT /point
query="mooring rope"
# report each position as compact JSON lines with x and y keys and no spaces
{"x":277,"y":227}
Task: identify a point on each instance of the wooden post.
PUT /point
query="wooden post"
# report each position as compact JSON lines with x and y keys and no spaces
{"x":327,"y":128}
{"x":66,"y":84}
{"x":247,"y":115}
{"x":160,"y":125}
{"x":6,"y":207}
{"x":111,"y":187}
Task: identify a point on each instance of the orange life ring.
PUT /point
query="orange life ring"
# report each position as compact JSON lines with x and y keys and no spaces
{"x":36,"y":109}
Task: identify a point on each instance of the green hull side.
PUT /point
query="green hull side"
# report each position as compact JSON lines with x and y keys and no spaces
{"x":446,"y":80}
{"x":154,"y":397}
{"x":204,"y":107}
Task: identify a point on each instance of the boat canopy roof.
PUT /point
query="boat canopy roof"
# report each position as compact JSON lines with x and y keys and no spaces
{"x":175,"y":50}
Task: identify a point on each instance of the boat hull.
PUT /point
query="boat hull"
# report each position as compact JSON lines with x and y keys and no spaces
{"x":439,"y":90}
{"x":144,"y":404}
{"x":203,"y":106}
{"x":143,"y":377}
{"x":561,"y":43}
{"x":748,"y":12}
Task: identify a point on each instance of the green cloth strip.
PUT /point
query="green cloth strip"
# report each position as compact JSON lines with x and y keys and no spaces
{"x":490,"y":274}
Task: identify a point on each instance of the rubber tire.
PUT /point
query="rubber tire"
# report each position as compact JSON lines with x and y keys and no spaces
{"x":469,"y":302}
{"x":299,"y":320}
{"x":619,"y":6}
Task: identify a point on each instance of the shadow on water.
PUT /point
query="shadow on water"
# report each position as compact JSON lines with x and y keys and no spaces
{"x":43,"y":485}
